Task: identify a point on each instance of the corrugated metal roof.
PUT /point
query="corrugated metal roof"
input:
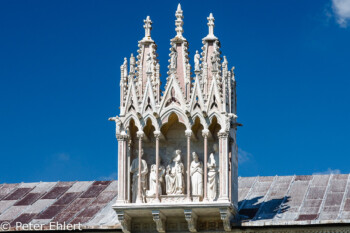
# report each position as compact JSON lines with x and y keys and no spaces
{"x":279,"y":200}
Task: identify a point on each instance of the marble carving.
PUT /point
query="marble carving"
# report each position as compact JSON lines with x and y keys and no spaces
{"x":173,"y":57}
{"x":153,"y":180}
{"x":136,"y":174}
{"x":212,"y":176}
{"x":196,"y":61}
{"x":166,"y":166}
{"x":174,"y":178}
{"x":196,"y":175}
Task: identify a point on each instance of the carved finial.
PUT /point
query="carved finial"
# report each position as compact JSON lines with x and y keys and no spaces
{"x":147,"y":26}
{"x":211,"y":25}
{"x":178,"y":22}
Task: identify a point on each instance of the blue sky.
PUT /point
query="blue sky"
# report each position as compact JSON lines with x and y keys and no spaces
{"x":59,"y":81}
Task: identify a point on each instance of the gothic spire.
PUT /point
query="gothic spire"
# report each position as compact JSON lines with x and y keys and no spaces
{"x":211,"y":26}
{"x":178,"y":22}
{"x":148,"y":27}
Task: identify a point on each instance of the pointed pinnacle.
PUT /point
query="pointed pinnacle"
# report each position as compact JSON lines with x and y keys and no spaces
{"x":148,"y":27}
{"x":179,"y":7}
{"x":211,"y":26}
{"x":179,"y":22}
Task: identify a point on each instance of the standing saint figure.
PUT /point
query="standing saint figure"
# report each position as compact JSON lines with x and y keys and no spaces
{"x":135,"y":171}
{"x":196,"y":61}
{"x":196,"y":175}
{"x":214,"y":61}
{"x":174,"y":178}
{"x":212,"y":176}
{"x":149,"y":63}
{"x":153,"y":180}
{"x":173,"y":57}
{"x":132,"y":64}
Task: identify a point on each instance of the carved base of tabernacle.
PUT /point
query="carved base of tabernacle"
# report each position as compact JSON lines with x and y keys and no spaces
{"x":173,"y":198}
{"x":180,"y":216}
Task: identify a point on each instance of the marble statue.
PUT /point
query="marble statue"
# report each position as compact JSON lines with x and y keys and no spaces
{"x":164,"y":119}
{"x":196,"y":61}
{"x":125,"y":67}
{"x":173,"y":57}
{"x":132,"y":64}
{"x":174,"y":178}
{"x":149,"y":63}
{"x":153,"y":180}
{"x":212,"y":176}
{"x":214,"y":62}
{"x":196,"y":175}
{"x":135,"y":171}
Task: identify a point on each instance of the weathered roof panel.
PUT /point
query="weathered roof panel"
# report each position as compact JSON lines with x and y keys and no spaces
{"x":278,"y":200}
{"x":6,"y":189}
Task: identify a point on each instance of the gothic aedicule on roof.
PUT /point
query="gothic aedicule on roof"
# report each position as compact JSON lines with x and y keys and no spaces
{"x":177,"y":151}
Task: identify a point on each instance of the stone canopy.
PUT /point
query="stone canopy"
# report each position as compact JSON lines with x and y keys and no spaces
{"x":177,"y":151}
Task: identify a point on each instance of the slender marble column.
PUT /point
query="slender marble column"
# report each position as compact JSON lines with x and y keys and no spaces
{"x":224,"y":163}
{"x":188,"y":134}
{"x":121,"y":167}
{"x":125,"y":170}
{"x":157,"y":135}
{"x":139,"y":187}
{"x":205,"y":133}
{"x":130,"y":149}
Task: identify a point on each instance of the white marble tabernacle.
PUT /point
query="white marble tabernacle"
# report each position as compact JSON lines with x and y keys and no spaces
{"x":177,"y":150}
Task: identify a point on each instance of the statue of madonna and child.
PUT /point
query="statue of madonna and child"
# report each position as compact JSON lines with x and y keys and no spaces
{"x":174,"y":177}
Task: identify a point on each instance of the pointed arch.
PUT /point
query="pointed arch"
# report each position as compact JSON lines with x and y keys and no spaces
{"x":202,"y":120}
{"x":218,"y":118}
{"x":215,"y":125}
{"x":154,"y":121}
{"x":179,"y":112}
{"x":132,"y":116}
